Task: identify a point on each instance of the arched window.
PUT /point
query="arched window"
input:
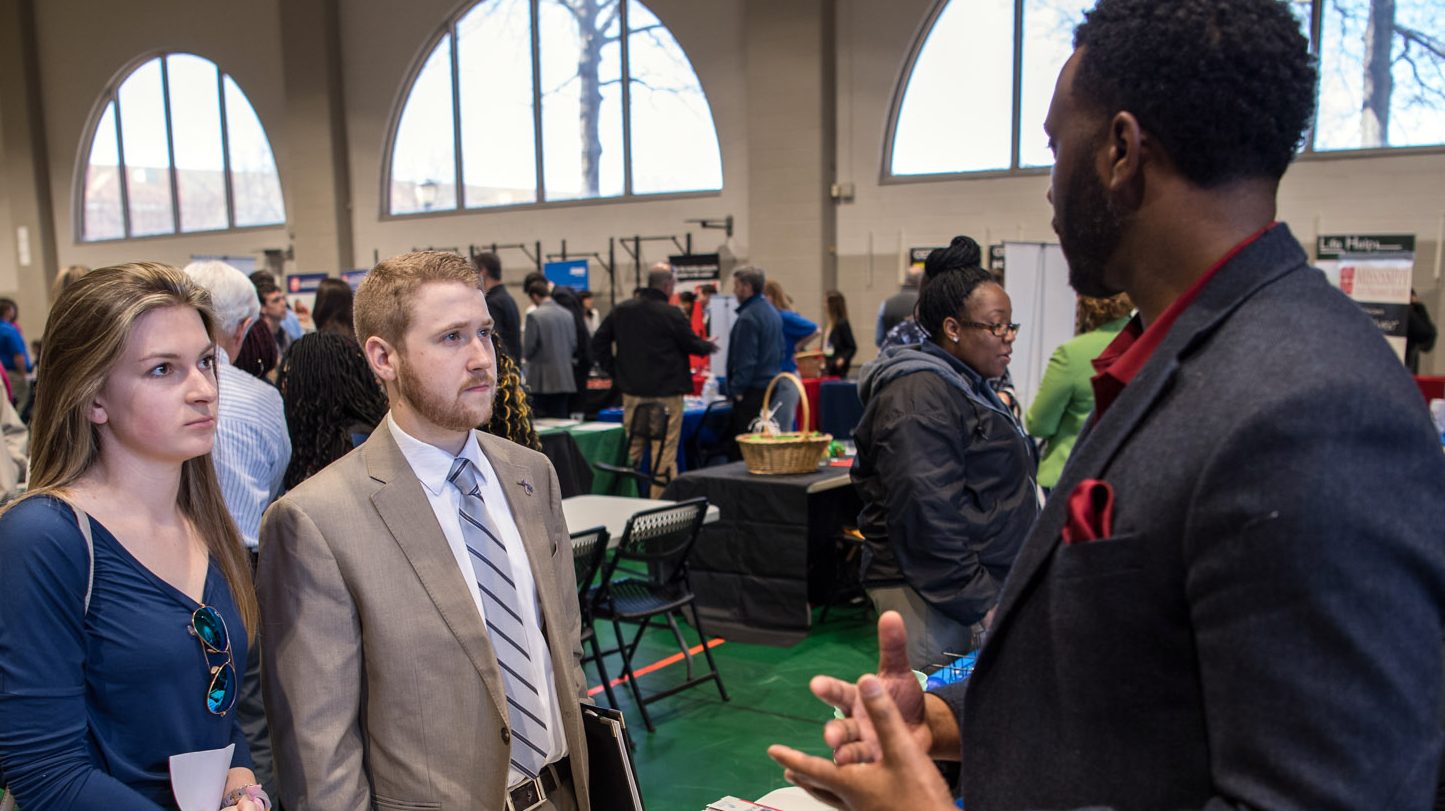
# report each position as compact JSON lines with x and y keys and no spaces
{"x":177,"y":148}
{"x":955,"y":112}
{"x":527,"y":101}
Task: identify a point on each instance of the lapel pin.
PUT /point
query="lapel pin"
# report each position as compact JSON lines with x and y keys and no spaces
{"x":526,"y":485}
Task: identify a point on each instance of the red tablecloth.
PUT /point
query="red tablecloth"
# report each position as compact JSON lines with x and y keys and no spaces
{"x":811,"y":387}
{"x":1432,"y":387}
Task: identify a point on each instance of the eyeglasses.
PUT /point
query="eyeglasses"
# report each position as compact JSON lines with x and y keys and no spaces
{"x":996,"y":330}
{"x":209,"y":628}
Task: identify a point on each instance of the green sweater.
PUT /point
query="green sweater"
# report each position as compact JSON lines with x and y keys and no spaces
{"x":1066,"y":397}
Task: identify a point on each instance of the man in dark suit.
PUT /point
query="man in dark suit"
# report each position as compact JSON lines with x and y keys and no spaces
{"x":1233,"y":599}
{"x":508,"y":332}
{"x":650,"y":364}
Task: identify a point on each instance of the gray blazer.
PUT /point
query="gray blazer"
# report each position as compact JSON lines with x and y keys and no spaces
{"x":550,"y":341}
{"x":381,"y":686}
{"x":1262,"y":629}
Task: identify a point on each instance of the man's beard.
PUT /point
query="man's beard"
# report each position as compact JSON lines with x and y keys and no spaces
{"x":1089,"y":231}
{"x":451,"y":415}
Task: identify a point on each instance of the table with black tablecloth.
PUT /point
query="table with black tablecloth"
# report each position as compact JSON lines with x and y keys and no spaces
{"x":758,"y":568}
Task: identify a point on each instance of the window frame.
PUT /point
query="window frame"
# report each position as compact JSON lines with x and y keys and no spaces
{"x":111,"y":96}
{"x":886,"y":177}
{"x":449,"y":29}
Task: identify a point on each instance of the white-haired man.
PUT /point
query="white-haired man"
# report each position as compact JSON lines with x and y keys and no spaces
{"x":251,"y":453}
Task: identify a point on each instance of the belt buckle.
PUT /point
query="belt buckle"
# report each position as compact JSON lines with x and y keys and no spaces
{"x":530,"y":789}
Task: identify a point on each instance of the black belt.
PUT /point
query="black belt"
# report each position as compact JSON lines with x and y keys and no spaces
{"x":533,"y":790}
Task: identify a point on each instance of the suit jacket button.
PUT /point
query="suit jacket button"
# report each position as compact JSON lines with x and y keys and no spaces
{"x":506,"y":735}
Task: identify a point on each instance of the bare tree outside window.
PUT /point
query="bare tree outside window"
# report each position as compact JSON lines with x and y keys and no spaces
{"x":573,"y":107}
{"x":1382,"y":81}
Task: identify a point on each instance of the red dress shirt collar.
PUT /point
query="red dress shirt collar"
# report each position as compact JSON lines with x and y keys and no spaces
{"x":1126,"y":355}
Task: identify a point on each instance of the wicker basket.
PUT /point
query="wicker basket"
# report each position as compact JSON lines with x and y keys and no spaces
{"x":777,"y":454}
{"x":810,"y":364}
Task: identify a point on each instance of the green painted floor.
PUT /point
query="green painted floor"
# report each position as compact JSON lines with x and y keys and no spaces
{"x":705,"y":748}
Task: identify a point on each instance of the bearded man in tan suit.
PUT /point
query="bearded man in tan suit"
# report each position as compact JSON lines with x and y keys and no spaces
{"x":418,"y":594}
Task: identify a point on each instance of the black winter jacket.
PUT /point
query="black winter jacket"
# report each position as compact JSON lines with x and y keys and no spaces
{"x":653,"y":341}
{"x":946,"y":476}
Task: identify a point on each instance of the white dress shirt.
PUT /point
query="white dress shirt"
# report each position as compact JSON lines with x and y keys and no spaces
{"x":431,"y":465}
{"x":252,"y":446}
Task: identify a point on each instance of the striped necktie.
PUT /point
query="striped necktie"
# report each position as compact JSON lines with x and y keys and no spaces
{"x":502,"y":607}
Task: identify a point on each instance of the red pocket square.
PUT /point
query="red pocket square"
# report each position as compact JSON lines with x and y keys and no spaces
{"x":1091,"y":512}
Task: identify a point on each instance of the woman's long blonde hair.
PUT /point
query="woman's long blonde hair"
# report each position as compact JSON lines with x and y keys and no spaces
{"x":85,"y":336}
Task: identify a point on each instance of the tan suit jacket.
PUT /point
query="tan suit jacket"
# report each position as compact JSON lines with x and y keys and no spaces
{"x":381,"y":686}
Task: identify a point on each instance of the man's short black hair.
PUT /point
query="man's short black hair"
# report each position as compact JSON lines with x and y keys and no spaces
{"x":489,"y":265}
{"x":1227,"y":86}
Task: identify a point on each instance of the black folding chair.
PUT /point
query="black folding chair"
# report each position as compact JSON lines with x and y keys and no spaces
{"x":589,"y":549}
{"x":707,"y":444}
{"x":649,"y":423}
{"x":660,"y":540}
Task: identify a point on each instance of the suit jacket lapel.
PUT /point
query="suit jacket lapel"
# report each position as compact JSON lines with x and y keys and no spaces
{"x":404,"y":509}
{"x":1261,"y":263}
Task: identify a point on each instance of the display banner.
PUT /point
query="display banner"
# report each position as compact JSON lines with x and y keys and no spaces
{"x":1376,"y":271}
{"x":1332,"y":246}
{"x":696,"y":267}
{"x":918,"y":256}
{"x":568,"y":272}
{"x":354,"y":277}
{"x":996,"y":263}
{"x":301,"y":292}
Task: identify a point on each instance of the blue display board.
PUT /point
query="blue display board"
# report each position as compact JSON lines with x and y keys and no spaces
{"x":569,"y":272}
{"x":354,"y":277}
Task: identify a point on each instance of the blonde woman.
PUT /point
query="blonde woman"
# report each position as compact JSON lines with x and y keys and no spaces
{"x":125,"y":597}
{"x":798,"y":332}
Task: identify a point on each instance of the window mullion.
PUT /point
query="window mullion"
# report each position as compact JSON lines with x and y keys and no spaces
{"x":1018,"y":84}
{"x":226,"y":151}
{"x":170,"y":145}
{"x":1317,"y":30}
{"x":624,"y":31}
{"x":537,"y":100}
{"x":120,"y":161}
{"x":461,"y":195}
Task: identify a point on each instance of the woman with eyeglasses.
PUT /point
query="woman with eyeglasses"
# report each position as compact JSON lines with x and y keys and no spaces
{"x":125,"y":593}
{"x":945,"y":471}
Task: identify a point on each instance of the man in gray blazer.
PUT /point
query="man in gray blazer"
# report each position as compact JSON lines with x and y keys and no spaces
{"x":418,"y":594}
{"x":549,"y":343}
{"x":1233,"y":598}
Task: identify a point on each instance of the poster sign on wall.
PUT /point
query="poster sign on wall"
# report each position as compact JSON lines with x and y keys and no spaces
{"x":917,"y":257}
{"x":996,"y":263}
{"x":568,"y":272}
{"x":696,"y":267}
{"x":354,"y":277}
{"x":301,"y":291}
{"x":1375,"y":270}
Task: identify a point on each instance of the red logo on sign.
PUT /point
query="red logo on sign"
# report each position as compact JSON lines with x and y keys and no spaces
{"x":1347,"y":280}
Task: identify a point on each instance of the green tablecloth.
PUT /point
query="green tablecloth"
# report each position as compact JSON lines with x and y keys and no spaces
{"x":600,"y":443}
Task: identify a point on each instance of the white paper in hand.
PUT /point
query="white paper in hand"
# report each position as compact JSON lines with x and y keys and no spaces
{"x":198,"y":779}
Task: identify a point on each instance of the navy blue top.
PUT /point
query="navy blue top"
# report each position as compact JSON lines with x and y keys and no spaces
{"x":795,"y":328}
{"x":12,"y":344}
{"x":93,"y":704}
{"x":755,"y":346}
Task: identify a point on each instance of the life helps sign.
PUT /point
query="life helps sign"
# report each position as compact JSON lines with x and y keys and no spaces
{"x":1374,"y":270}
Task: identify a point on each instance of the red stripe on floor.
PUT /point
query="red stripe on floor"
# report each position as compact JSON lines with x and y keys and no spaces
{"x":658,"y":665}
